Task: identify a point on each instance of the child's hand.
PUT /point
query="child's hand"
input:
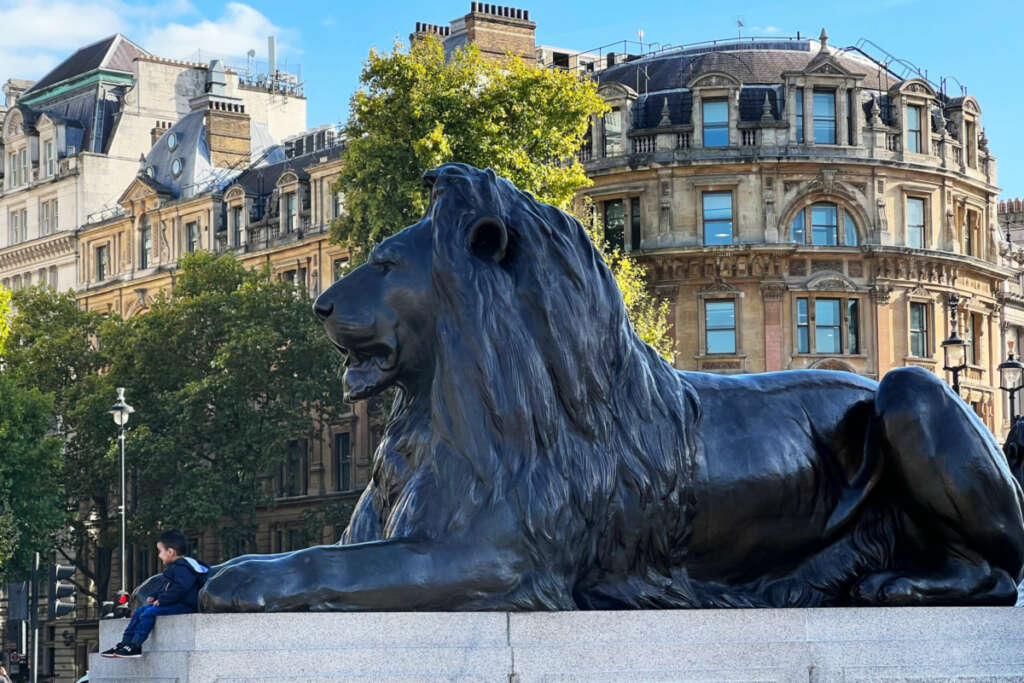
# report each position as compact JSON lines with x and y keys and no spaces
{"x":156,"y":602}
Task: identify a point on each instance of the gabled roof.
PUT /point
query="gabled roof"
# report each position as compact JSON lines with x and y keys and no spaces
{"x":115,"y":53}
{"x":144,"y":180}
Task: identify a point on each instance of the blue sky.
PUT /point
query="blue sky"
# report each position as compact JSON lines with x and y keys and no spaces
{"x":978,"y":43}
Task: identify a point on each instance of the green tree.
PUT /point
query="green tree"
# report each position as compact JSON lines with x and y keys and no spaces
{"x":225,"y":374}
{"x":417,"y":110}
{"x":31,"y":499}
{"x":52,"y":348}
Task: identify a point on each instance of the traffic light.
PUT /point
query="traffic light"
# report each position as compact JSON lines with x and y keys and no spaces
{"x":60,"y":589}
{"x":122,"y":609}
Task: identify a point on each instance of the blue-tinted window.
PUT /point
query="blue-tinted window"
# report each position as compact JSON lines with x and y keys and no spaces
{"x":717,"y":217}
{"x":720,"y":326}
{"x":918,"y":329}
{"x":797,"y":230}
{"x":614,"y":223}
{"x":914,"y":130}
{"x":799,"y":106}
{"x":915,"y":222}
{"x":827,"y":325}
{"x":824,"y":229}
{"x":803,"y":337}
{"x":850,"y":238}
{"x":716,"y":123}
{"x":825,"y":118}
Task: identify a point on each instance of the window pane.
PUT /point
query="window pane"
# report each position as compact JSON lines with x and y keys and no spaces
{"x":614,"y":223}
{"x":851,"y":230}
{"x":716,"y":123}
{"x":796,"y":228}
{"x":801,"y":311}
{"x":716,"y":111}
{"x":825,"y":118}
{"x":717,"y":205}
{"x":613,"y":133}
{"x":915,"y":222}
{"x":721,"y":341}
{"x":799,"y":106}
{"x":803,"y":344}
{"x":720,"y":326}
{"x":826,"y":312}
{"x":826,"y":340}
{"x":823,"y":224}
{"x":852,"y":326}
{"x":720,"y":314}
{"x":826,"y":326}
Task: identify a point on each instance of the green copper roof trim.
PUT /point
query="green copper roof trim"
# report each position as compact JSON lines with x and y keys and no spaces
{"x":95,"y":76}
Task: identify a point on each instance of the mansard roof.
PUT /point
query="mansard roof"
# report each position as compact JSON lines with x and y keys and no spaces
{"x":752,"y":63}
{"x":114,"y":53}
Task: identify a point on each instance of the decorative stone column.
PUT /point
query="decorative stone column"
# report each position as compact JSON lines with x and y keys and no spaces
{"x":772,"y":294}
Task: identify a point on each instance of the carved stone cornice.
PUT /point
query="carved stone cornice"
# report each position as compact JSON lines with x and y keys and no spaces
{"x":38,"y":251}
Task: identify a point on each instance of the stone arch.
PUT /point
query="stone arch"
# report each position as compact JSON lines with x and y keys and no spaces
{"x":832,"y":364}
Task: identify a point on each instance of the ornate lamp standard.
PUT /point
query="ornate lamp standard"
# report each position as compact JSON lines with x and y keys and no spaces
{"x":121,"y":411}
{"x":954,"y":348}
{"x":1011,"y":380}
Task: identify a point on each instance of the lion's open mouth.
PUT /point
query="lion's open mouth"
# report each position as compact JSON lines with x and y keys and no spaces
{"x":369,"y":368}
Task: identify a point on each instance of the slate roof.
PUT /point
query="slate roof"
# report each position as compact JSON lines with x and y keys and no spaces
{"x":115,"y":52}
{"x":752,"y":63}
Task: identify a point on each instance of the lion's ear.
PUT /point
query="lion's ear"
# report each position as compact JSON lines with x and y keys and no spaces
{"x":488,"y":239}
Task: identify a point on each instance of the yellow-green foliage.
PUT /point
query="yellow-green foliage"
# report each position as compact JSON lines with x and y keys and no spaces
{"x":417,"y":110}
{"x":648,"y":314}
{"x":5,"y":317}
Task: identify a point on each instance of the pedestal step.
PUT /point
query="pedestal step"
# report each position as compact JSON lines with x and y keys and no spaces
{"x":813,"y":645}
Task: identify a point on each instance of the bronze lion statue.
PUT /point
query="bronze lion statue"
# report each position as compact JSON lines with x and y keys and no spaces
{"x":540,"y":456}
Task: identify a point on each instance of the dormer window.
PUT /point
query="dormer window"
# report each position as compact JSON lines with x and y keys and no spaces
{"x":716,"y":123}
{"x":613,"y":133}
{"x":49,"y":158}
{"x":824,"y":117}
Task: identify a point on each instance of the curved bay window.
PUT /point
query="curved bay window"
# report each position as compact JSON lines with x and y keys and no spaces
{"x":824,"y":224}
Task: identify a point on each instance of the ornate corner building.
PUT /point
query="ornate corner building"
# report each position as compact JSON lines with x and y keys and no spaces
{"x":798,"y":205}
{"x":802,"y":206}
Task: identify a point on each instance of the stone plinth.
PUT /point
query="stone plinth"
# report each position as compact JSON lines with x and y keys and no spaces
{"x":813,"y":645}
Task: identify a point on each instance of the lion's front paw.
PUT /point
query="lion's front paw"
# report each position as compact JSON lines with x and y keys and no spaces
{"x":238,"y":588}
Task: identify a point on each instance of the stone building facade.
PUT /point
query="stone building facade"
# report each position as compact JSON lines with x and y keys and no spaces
{"x":802,"y":207}
{"x":71,"y":142}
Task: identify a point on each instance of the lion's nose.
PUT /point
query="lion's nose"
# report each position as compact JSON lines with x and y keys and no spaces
{"x":323,"y":307}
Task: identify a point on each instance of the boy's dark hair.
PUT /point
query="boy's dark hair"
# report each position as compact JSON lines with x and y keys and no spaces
{"x":172,"y":538}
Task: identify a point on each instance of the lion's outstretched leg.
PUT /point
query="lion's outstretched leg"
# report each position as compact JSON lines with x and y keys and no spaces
{"x":947,"y":474}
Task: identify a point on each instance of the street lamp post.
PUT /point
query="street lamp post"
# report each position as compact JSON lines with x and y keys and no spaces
{"x":121,"y":411}
{"x":954,"y":348}
{"x":1011,"y":379}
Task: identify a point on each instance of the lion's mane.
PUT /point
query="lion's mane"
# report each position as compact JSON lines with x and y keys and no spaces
{"x":545,"y":401}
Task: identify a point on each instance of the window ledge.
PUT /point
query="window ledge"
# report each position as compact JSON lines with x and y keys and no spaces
{"x":917,"y":360}
{"x":816,"y":356}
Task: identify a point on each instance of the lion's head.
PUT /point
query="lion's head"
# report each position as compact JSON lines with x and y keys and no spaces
{"x":498,"y":317}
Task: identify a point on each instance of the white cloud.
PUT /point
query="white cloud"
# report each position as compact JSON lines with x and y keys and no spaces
{"x":765,"y":30}
{"x":240,"y":29}
{"x":48,"y":31}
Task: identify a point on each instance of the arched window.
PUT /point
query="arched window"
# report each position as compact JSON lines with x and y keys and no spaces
{"x":824,"y":224}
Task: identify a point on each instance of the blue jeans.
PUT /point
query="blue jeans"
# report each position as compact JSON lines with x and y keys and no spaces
{"x":144,"y":618}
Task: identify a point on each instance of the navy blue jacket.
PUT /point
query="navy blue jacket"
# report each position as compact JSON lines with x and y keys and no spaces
{"x":185,"y":576}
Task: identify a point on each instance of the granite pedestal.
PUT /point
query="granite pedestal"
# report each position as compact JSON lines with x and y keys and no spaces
{"x":812,"y":645}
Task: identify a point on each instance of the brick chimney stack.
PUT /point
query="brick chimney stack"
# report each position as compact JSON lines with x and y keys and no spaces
{"x":227,"y":124}
{"x":498,"y":30}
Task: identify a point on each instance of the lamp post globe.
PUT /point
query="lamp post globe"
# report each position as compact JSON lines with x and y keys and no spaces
{"x":954,"y":348}
{"x":1011,"y":379}
{"x":121,"y":411}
